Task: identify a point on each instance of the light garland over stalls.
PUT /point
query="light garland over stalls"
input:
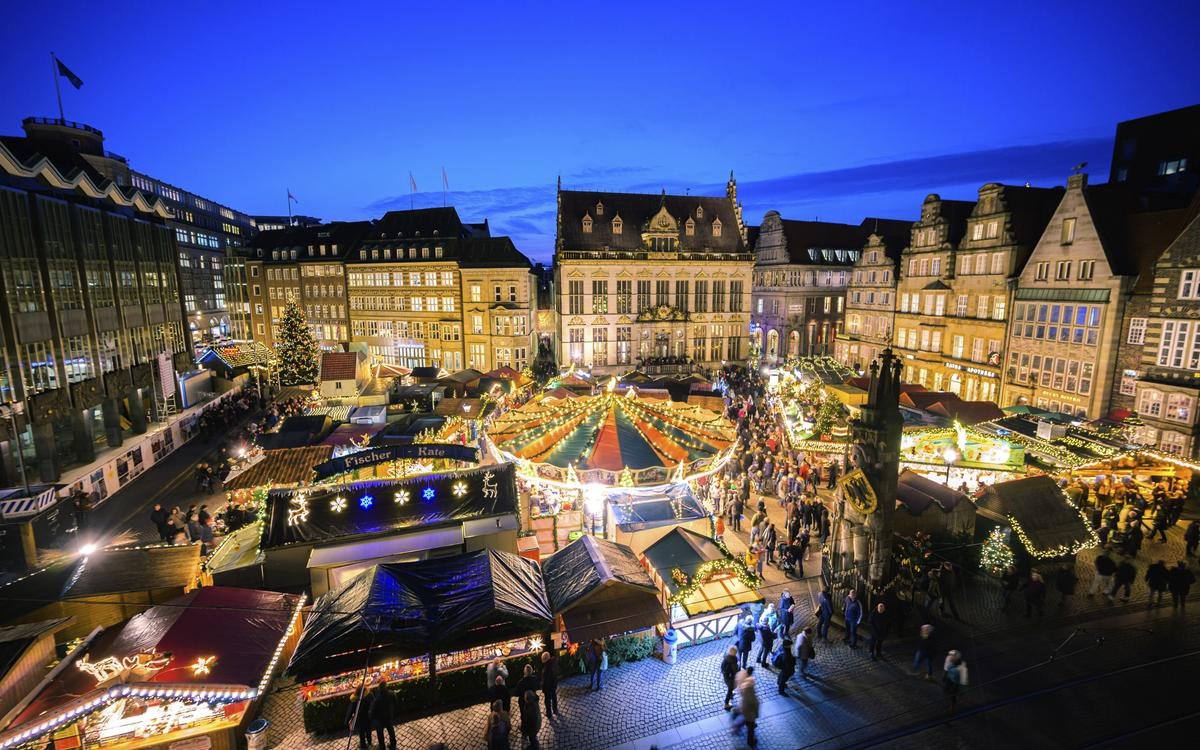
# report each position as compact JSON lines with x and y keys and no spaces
{"x":1060,"y":550}
{"x":704,"y":572}
{"x":216,"y":693}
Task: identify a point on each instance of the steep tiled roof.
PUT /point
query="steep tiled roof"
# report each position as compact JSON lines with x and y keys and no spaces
{"x":339,"y":365}
{"x":636,"y":211}
{"x":345,"y":235}
{"x":285,"y":466}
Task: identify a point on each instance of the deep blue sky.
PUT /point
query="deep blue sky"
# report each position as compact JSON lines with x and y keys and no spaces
{"x":857,"y":110}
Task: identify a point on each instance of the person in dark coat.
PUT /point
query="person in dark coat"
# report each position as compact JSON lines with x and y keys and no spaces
{"x":498,"y":728}
{"x":746,"y":642}
{"x":499,"y":692}
{"x":824,"y":614}
{"x":158,"y":517}
{"x":1035,"y":595}
{"x":529,"y":683}
{"x":787,"y":612}
{"x":879,"y":623}
{"x":1179,"y":581}
{"x":766,"y":636}
{"x":1191,"y":537}
{"x":550,"y":682}
{"x":531,"y":718}
{"x":1065,"y":582}
{"x":729,"y":670}
{"x":1010,"y":582}
{"x":1157,"y":576}
{"x":595,"y":657}
{"x":787,"y":665}
{"x":1125,"y":576}
{"x":383,"y":714}
{"x":358,"y":717}
{"x":1133,"y":543}
{"x":852,"y":611}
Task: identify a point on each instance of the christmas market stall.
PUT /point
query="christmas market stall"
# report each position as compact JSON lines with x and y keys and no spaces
{"x":700,"y":583}
{"x":959,"y":456}
{"x":637,"y":516}
{"x":573,"y":453}
{"x":187,"y":673}
{"x":319,"y":536}
{"x":929,"y":507}
{"x":427,"y":629}
{"x":102,"y":587}
{"x":598,"y":589}
{"x":1036,"y":519}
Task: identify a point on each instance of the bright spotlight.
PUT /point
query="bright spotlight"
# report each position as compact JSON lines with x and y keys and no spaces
{"x":87,"y":549}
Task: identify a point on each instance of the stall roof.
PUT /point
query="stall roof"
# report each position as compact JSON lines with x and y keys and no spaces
{"x":242,"y":628}
{"x":237,"y":356}
{"x":600,"y":589}
{"x":114,"y":570}
{"x":681,"y":548}
{"x":916,"y":493}
{"x":376,"y":508}
{"x":1037,"y":507}
{"x":638,"y":509}
{"x":15,"y":639}
{"x":282,"y":466}
{"x":345,"y":434}
{"x":402,"y":610}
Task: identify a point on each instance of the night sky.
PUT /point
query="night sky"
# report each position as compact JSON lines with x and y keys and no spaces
{"x":859,"y":110}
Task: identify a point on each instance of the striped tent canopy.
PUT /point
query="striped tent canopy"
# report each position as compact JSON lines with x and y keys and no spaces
{"x":611,"y":432}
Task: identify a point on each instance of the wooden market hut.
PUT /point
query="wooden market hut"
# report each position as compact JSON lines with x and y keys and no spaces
{"x":929,"y":507}
{"x":25,"y":650}
{"x":1044,"y":523}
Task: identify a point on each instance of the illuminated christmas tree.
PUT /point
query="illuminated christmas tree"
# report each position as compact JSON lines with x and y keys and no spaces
{"x":299,"y":355}
{"x":996,"y":556}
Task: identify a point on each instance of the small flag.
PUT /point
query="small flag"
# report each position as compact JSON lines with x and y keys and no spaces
{"x":65,"y":72}
{"x":292,"y":197}
{"x":412,"y":181}
{"x":445,"y":180}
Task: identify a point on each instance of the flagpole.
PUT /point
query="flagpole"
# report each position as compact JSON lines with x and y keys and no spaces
{"x":57,"y":89}
{"x":289,"y":199}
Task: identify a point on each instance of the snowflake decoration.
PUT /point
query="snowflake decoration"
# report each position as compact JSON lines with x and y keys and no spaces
{"x":366,"y":501}
{"x":459,"y":489}
{"x":338,"y":504}
{"x":402,"y":497}
{"x":428,"y":493}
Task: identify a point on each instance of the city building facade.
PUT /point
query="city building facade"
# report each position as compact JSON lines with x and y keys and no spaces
{"x":871,"y":298}
{"x":1156,"y":157}
{"x":923,"y":294}
{"x":91,"y":324}
{"x":801,"y":274}
{"x":427,"y":289}
{"x":657,"y":282}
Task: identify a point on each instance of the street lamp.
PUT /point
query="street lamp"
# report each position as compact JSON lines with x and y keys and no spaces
{"x":950,"y":455}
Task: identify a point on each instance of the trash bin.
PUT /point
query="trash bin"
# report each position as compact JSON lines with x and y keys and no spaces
{"x":256,"y":734}
{"x":670,"y":646}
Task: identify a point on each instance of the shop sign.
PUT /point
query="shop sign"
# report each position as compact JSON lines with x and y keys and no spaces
{"x":373,"y":456}
{"x":972,"y":370}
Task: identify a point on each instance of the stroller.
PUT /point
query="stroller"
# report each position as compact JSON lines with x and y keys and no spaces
{"x":790,"y":561}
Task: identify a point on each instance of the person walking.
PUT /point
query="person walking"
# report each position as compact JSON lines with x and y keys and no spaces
{"x":954,"y":677}
{"x":787,"y":612}
{"x":852,"y":611}
{"x":529,"y":683}
{"x":531,"y":718}
{"x":925,"y":650}
{"x":1106,"y":568}
{"x":824,"y":614}
{"x":550,"y":683}
{"x":358,"y":718}
{"x":1065,"y":581}
{"x":1191,"y":538}
{"x":596,"y":662}
{"x":747,"y":708}
{"x":383,"y":714}
{"x":1124,"y":577}
{"x":1179,"y":581}
{"x":739,"y":507}
{"x":498,"y":728}
{"x":879,"y":623}
{"x":499,"y":692}
{"x":949,"y":588}
{"x":158,"y":517}
{"x":1009,"y":582}
{"x":746,"y":641}
{"x":785,"y":662}
{"x":805,"y":651}
{"x":766,"y":637}
{"x":770,"y":539}
{"x":1157,"y":577}
{"x":729,"y":670}
{"x":1035,"y":595}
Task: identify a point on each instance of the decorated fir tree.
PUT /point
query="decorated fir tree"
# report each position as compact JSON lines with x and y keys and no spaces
{"x":995,"y":556}
{"x":299,"y":355}
{"x":829,"y":415}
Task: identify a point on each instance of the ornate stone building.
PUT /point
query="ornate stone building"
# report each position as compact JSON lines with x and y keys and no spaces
{"x":1002,"y":229}
{"x":871,"y":299}
{"x":923,"y":294}
{"x":660,"y":282}
{"x":801,"y":273}
{"x":1167,"y":386}
{"x":426,"y":289}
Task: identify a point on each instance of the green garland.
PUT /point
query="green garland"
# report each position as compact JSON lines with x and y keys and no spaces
{"x":706,"y":570}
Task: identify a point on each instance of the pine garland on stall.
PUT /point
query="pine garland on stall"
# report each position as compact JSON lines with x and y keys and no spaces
{"x":299,"y":355}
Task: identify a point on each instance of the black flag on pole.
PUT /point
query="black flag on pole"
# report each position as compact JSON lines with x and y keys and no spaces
{"x":65,"y":72}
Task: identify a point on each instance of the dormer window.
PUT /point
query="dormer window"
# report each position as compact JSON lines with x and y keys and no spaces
{"x":617,"y":225}
{"x":716,"y":227}
{"x":699,"y":212}
{"x":587,"y":225}
{"x":599,"y":209}
{"x":689,"y":228}
{"x":387,"y":253}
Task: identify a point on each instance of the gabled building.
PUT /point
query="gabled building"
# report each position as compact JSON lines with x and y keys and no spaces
{"x":801,"y":272}
{"x":923,"y":293}
{"x":660,"y":282}
{"x":871,"y":298}
{"x":1003,"y":227}
{"x":1158,"y":158}
{"x":1069,"y":303}
{"x":1167,"y":385}
{"x":427,"y":289}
